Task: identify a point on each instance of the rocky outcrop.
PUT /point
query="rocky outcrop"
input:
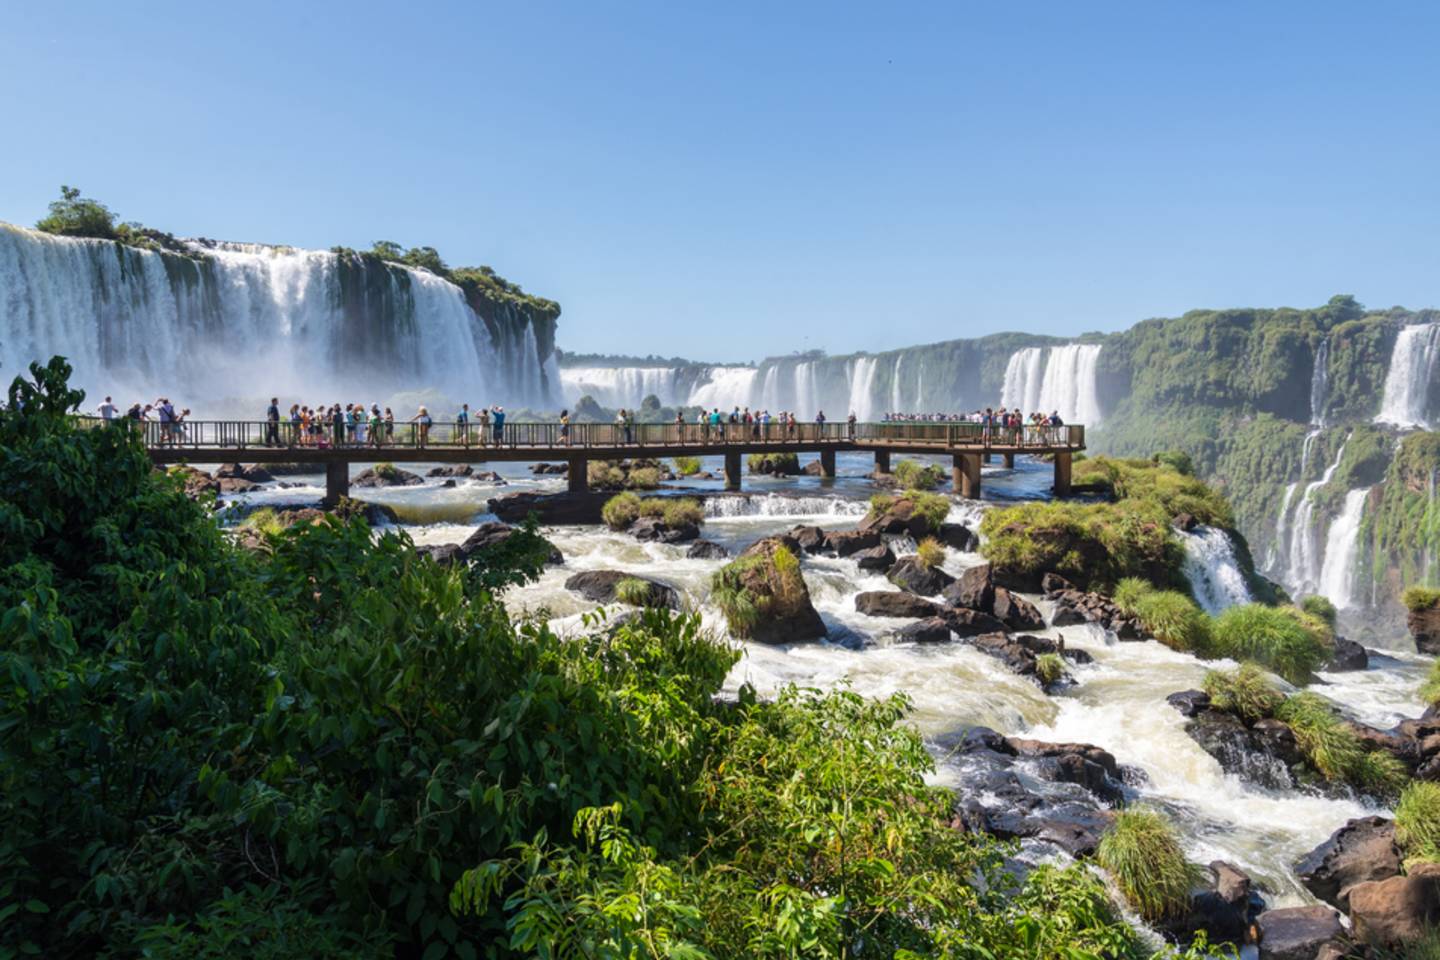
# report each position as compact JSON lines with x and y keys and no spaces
{"x":1020,"y":651}
{"x":971,"y":623}
{"x":895,"y":603}
{"x":1015,"y":611}
{"x":599,"y":586}
{"x":843,"y":543}
{"x":1424,"y":626}
{"x":706,"y":550}
{"x":874,"y":558}
{"x":811,"y":539}
{"x":251,"y":472}
{"x":1362,"y":851}
{"x":959,"y":537}
{"x":1264,"y":755}
{"x":1348,"y":655}
{"x":912,"y":575}
{"x":385,"y":475}
{"x":1073,"y":607}
{"x":656,"y":529}
{"x":1393,"y":911}
{"x":775,"y":589}
{"x":491,"y":534}
{"x":552,"y":509}
{"x":973,"y":588}
{"x":454,"y":470}
{"x":928,"y":630}
{"x":1298,"y":933}
{"x":550,"y":469}
{"x":898,"y":519}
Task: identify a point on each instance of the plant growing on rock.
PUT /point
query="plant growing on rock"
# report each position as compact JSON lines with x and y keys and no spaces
{"x":1244,"y":691}
{"x":686,"y":466}
{"x":1049,"y":668}
{"x":620,"y":511}
{"x":773,"y":463}
{"x":265,"y":520}
{"x":919,"y":476}
{"x":1270,"y":636}
{"x":1418,"y":598}
{"x":1334,"y":750}
{"x":673,"y":511}
{"x":1174,"y":619}
{"x":1430,"y":689}
{"x":932,"y":508}
{"x":1129,"y":592}
{"x":1320,"y":608}
{"x":1142,"y":852}
{"x":1417,"y":822}
{"x":931,"y":553}
{"x":764,"y":583}
{"x":633,"y":591}
{"x":387,"y":471}
{"x":643,"y":478}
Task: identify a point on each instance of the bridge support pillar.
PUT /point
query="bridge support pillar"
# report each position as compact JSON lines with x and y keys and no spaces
{"x":1062,"y":474}
{"x":985,"y":458}
{"x":732,"y":470}
{"x":337,"y":482}
{"x":827,"y":464}
{"x":579,"y":474}
{"x":965,"y":475}
{"x":882,"y":461}
{"x":1010,"y":460}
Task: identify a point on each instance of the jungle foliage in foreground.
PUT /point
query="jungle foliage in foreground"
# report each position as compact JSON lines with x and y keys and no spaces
{"x":335,"y":747}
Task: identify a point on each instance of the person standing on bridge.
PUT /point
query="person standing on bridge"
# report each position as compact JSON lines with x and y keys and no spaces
{"x":499,"y":425}
{"x":565,"y":427}
{"x":484,"y":425}
{"x":108,"y":410}
{"x":272,"y":423}
{"x":422,"y":423}
{"x":850,"y":425}
{"x":462,"y":423}
{"x":377,"y":426}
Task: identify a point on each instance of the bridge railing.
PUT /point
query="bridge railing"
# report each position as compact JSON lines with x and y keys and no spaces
{"x":964,"y":434}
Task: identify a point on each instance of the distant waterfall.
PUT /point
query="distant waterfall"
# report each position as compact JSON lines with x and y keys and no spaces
{"x":1342,"y":546}
{"x":862,"y":382}
{"x":1213,"y":571}
{"x":619,"y":386}
{"x":1054,"y":378}
{"x":727,"y":388}
{"x":1303,"y":569}
{"x":239,"y":322}
{"x":1320,"y":383}
{"x":1407,"y":383}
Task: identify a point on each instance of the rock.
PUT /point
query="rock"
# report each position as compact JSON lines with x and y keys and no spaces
{"x":910,"y":574}
{"x":1016,"y":612}
{"x":553,"y":509}
{"x":599,"y":586}
{"x":557,"y":469}
{"x":1053,"y":583}
{"x":1297,"y":933}
{"x":457,"y":470}
{"x":1224,"y":908}
{"x":1088,"y":752}
{"x":1075,"y":828}
{"x":929,"y":630}
{"x":487,"y":476}
{"x":1425,"y":628}
{"x":1349,"y":655}
{"x":786,"y":613}
{"x":1405,"y":750}
{"x":971,"y":623}
{"x":1228,"y":740}
{"x":706,"y":550}
{"x":874,"y":558}
{"x":449,"y":483}
{"x":1363,"y":850}
{"x":492,"y":534}
{"x":1016,"y":653}
{"x":810,"y":539}
{"x":256,"y":473}
{"x":974,"y":589}
{"x":235,"y":485}
{"x":1186,"y":522}
{"x":895,"y":603}
{"x":765,"y":546}
{"x":1189,"y":702}
{"x":386,"y":476}
{"x":375,"y":514}
{"x":958,"y":536}
{"x":231,"y":470}
{"x":1398,"y":909}
{"x":1275,"y":738}
{"x":445,"y":554}
{"x":197,"y":482}
{"x":654,"y":528}
{"x":1075,"y":607}
{"x":813,"y":469}
{"x":846,"y":542}
{"x":898,"y":519}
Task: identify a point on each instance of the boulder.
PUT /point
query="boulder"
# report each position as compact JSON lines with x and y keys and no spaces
{"x":810,"y":539}
{"x":1297,"y":933}
{"x":1189,"y":702}
{"x":958,"y":536}
{"x":1424,"y":626}
{"x":449,"y":482}
{"x":656,"y":529}
{"x":1362,"y":851}
{"x":492,"y":534}
{"x":197,"y":482}
{"x":386,"y":476}
{"x":557,"y":469}
{"x":706,"y":550}
{"x":929,"y":630}
{"x":1224,"y":907}
{"x":846,"y":542}
{"x":599,"y":586}
{"x":445,"y":554}
{"x":1017,"y":652}
{"x":874,"y":558}
{"x":487,"y":476}
{"x":1053,"y":583}
{"x":553,"y":509}
{"x":1228,"y":740}
{"x":910,"y":574}
{"x":455,"y":470}
{"x":786,"y":614}
{"x":1088,"y":752}
{"x":973,"y":588}
{"x":1016,"y":612}
{"x":1390,"y":912}
{"x":1075,"y":607}
{"x":256,"y":473}
{"x":229,"y":470}
{"x":1349,"y":655}
{"x":813,"y":469}
{"x":895,"y":603}
{"x":235,"y":485}
{"x":971,"y":623}
{"x":898,"y":519}
{"x":1185,"y":522}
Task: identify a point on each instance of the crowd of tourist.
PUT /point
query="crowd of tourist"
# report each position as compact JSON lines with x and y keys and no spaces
{"x":988,"y":417}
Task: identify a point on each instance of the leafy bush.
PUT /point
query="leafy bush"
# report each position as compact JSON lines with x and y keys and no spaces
{"x":620,"y":511}
{"x":931,"y":553}
{"x":683,"y":510}
{"x":643,"y":478}
{"x":919,"y":476}
{"x":773,"y":463}
{"x":1174,"y":619}
{"x":1142,"y":853}
{"x":633,"y":591}
{"x":1129,"y":592}
{"x":76,"y":216}
{"x":686,"y":466}
{"x":1096,"y":545}
{"x":1177,"y":460}
{"x":1320,"y":608}
{"x":1420,"y":598}
{"x":1244,"y":691}
{"x":1049,"y":668}
{"x":265,"y":520}
{"x":1417,"y":822}
{"x":1271,"y":636}
{"x":1333,"y":749}
{"x":1170,"y":490}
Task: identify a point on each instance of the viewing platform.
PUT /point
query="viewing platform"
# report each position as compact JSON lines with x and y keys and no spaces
{"x":258,"y":441}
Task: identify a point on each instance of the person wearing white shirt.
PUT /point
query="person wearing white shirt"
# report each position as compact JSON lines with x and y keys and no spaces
{"x":108,"y":410}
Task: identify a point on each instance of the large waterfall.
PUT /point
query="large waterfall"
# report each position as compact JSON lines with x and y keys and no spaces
{"x":1407,"y":384}
{"x":1213,"y":570}
{"x":1059,"y":379}
{"x":617,"y":387}
{"x":1303,"y":555}
{"x":237,"y":322}
{"x":1342,"y":546}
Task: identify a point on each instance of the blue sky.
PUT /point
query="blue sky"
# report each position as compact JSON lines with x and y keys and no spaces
{"x":727,"y":181}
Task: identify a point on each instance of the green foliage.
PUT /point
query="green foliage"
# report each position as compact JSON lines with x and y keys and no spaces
{"x":643,"y":478}
{"x":76,"y":216}
{"x":768,"y":581}
{"x":387,"y":471}
{"x":1244,"y":691}
{"x":1320,"y":608}
{"x":1178,"y":460}
{"x":931,"y":553}
{"x":1430,"y":689}
{"x":680,"y":511}
{"x":932,"y":508}
{"x":773,"y":463}
{"x":919,"y":476}
{"x":634,"y":592}
{"x":1274,"y":637}
{"x":264,"y":520}
{"x":1159,"y":482}
{"x":1173,"y":618}
{"x":1129,"y":592}
{"x":1049,"y":668}
{"x":620,"y":511}
{"x":1417,"y":822}
{"x":1418,"y":599}
{"x":1093,"y":544}
{"x":1333,"y":749}
{"x":686,"y":466}
{"x":1142,"y":852}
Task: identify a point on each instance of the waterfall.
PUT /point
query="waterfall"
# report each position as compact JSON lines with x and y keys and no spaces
{"x":895,"y":400}
{"x":806,"y":395}
{"x":1213,"y":571}
{"x":1320,"y":383}
{"x":862,"y":382}
{"x":1303,"y":568}
{"x":727,"y":388}
{"x":616,"y":387}
{"x":236,"y":322}
{"x":1407,"y":383}
{"x":1342,"y":546}
{"x":1060,"y":378}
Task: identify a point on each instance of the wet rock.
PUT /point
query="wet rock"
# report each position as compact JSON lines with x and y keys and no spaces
{"x":492,"y":534}
{"x":197,"y":482}
{"x":1228,"y":740}
{"x":1073,"y":607}
{"x":1398,"y":909}
{"x":706,"y":550}
{"x":553,"y":509}
{"x":553,"y":469}
{"x":386,"y":476}
{"x":256,"y":473}
{"x":599,"y":586}
{"x":1224,"y":906}
{"x":786,"y":613}
{"x":1052,"y":583}
{"x":929,"y":630}
{"x":445,"y":554}
{"x":1016,"y":652}
{"x":375,"y":514}
{"x":1361,"y":851}
{"x":874,"y":558}
{"x":973,"y":589}
{"x":1349,"y":655}
{"x":1016,"y":612}
{"x":895,"y":603}
{"x":910,"y":574}
{"x":1103,"y":759}
{"x":455,"y":470}
{"x":971,"y":623}
{"x":1298,"y":933}
{"x":236,"y":485}
{"x":656,"y":529}
{"x":810,"y":539}
{"x":1405,"y":750}
{"x":448,"y":483}
{"x":1425,"y":628}
{"x":813,"y":469}
{"x":897,"y":520}
{"x":846,"y":542}
{"x":487,"y":476}
{"x":1189,"y":702}
{"x":1274,"y":738}
{"x":1074,"y":827}
{"x":959,"y":537}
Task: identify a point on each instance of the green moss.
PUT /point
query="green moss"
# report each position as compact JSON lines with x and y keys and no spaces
{"x":1417,"y":822}
{"x":931,"y":553}
{"x":1272,"y":636}
{"x":1142,"y":852}
{"x":1244,"y":691}
{"x":919,"y":476}
{"x":1418,"y":599}
{"x":686,"y":466}
{"x":1049,"y":668}
{"x":620,"y":511}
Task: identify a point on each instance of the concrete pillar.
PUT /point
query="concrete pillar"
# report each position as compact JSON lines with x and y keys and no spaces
{"x":579,"y":474}
{"x":1010,"y":460}
{"x":965,"y":475}
{"x":882,"y":461}
{"x":1062,"y":474}
{"x":827,"y":464}
{"x":732,"y":469}
{"x":337,"y":482}
{"x":986,"y":457}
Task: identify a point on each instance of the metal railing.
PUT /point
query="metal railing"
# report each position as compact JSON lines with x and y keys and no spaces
{"x":556,"y":438}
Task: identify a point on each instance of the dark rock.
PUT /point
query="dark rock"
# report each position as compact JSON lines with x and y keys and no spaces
{"x":235,"y":485}
{"x":810,"y":539}
{"x":787,"y":615}
{"x":898,"y":519}
{"x":846,"y":542}
{"x":1186,"y":522}
{"x":387,"y":477}
{"x":984,"y":738}
{"x":557,"y":469}
{"x":1103,"y":759}
{"x":256,"y":473}
{"x":1074,"y":827}
{"x":599,"y":586}
{"x":1016,"y":612}
{"x":1053,"y":583}
{"x":375,"y":514}
{"x":487,"y":476}
{"x":971,"y":623}
{"x":813,"y":469}
{"x":1224,"y":907}
{"x":654,"y":528}
{"x":973,"y":588}
{"x":1363,"y":850}
{"x":554,"y":509}
{"x":875,"y":558}
{"x":1297,"y":933}
{"x":449,"y":483}
{"x":958,"y":536}
{"x":910,"y":574}
{"x":1402,"y":748}
{"x":1275,"y":738}
{"x":1074,"y":607}
{"x":1014,"y":653}
{"x":455,"y":470}
{"x":706,"y":550}
{"x":1425,"y":628}
{"x":445,"y":554}
{"x":492,"y":534}
{"x":231,"y":470}
{"x":895,"y":603}
{"x":766,"y":544}
{"x":1189,"y":702}
{"x":1349,"y":655}
{"x":1396,"y":910}
{"x":929,"y":630}
{"x":1228,"y":740}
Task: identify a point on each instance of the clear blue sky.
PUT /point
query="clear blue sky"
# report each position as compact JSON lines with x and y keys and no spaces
{"x":726,"y":181}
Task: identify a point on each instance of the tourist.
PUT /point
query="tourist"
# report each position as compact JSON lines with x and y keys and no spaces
{"x":620,"y":422}
{"x":484,"y":426}
{"x":389,"y":425}
{"x":108,"y":410}
{"x":850,"y":425}
{"x":361,"y":421}
{"x":630,"y":427}
{"x":377,"y":426}
{"x":565,"y":427}
{"x":422,"y":423}
{"x":178,"y":425}
{"x":462,"y":423}
{"x":337,"y":422}
{"x":350,"y":423}
{"x":272,"y":423}
{"x":166,"y":413}
{"x":499,"y":421}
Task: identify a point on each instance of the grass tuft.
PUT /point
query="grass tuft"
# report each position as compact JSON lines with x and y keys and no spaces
{"x":1142,"y":853}
{"x":1430,"y":689}
{"x":1417,"y":822}
{"x":1273,"y":636}
{"x":1129,"y":592}
{"x":1244,"y":691}
{"x":1320,"y":608}
{"x":686,"y":466}
{"x":620,"y":511}
{"x":1174,"y":619}
{"x":1420,"y":598}
{"x":919,"y":476}
{"x":634,"y":592}
{"x":931,"y":553}
{"x":1049,"y":668}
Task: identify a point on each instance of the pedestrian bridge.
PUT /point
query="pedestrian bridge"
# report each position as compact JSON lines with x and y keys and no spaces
{"x":258,"y":441}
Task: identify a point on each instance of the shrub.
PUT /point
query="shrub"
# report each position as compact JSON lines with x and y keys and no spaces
{"x":1049,"y":668}
{"x":1129,"y":592}
{"x":1270,"y":636}
{"x":1420,"y":598}
{"x":1244,"y":691}
{"x":1430,"y":689}
{"x":880,"y":502}
{"x":1177,"y":460}
{"x":686,"y":466}
{"x":1142,"y":853}
{"x":643,"y":478}
{"x":1320,"y":608}
{"x":265,"y":520}
{"x":919,"y":476}
{"x":1174,"y":620}
{"x":1093,"y":544}
{"x":76,"y":216}
{"x":773,"y":463}
{"x":1333,"y":749}
{"x":932,"y":508}
{"x":682,"y":510}
{"x":1417,"y":821}
{"x":620,"y":511}
{"x":761,"y":583}
{"x":931,"y":553}
{"x":633,"y":591}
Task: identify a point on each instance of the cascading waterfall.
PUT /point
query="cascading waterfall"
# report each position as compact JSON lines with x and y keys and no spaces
{"x":236,"y":322}
{"x":727,"y":388}
{"x":1342,"y":546}
{"x":1303,"y":568}
{"x":1060,"y":378}
{"x":1213,"y":570}
{"x":1021,"y":386}
{"x":619,"y":386}
{"x":862,"y":382}
{"x":895,"y":400}
{"x":1279,"y":549}
{"x":1407,"y":383}
{"x":1320,"y":383}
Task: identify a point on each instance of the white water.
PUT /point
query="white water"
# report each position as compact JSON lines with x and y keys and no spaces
{"x":1059,"y":379}
{"x":862,"y":382}
{"x":1320,"y":383}
{"x":1407,"y":383}
{"x":727,"y":388}
{"x":1302,"y":572}
{"x":775,"y":505}
{"x":1342,"y":546}
{"x":1212,"y":569}
{"x":617,"y":387}
{"x":244,"y":321}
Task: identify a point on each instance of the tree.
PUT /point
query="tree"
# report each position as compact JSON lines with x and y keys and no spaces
{"x":651,"y":402}
{"x":76,"y":216}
